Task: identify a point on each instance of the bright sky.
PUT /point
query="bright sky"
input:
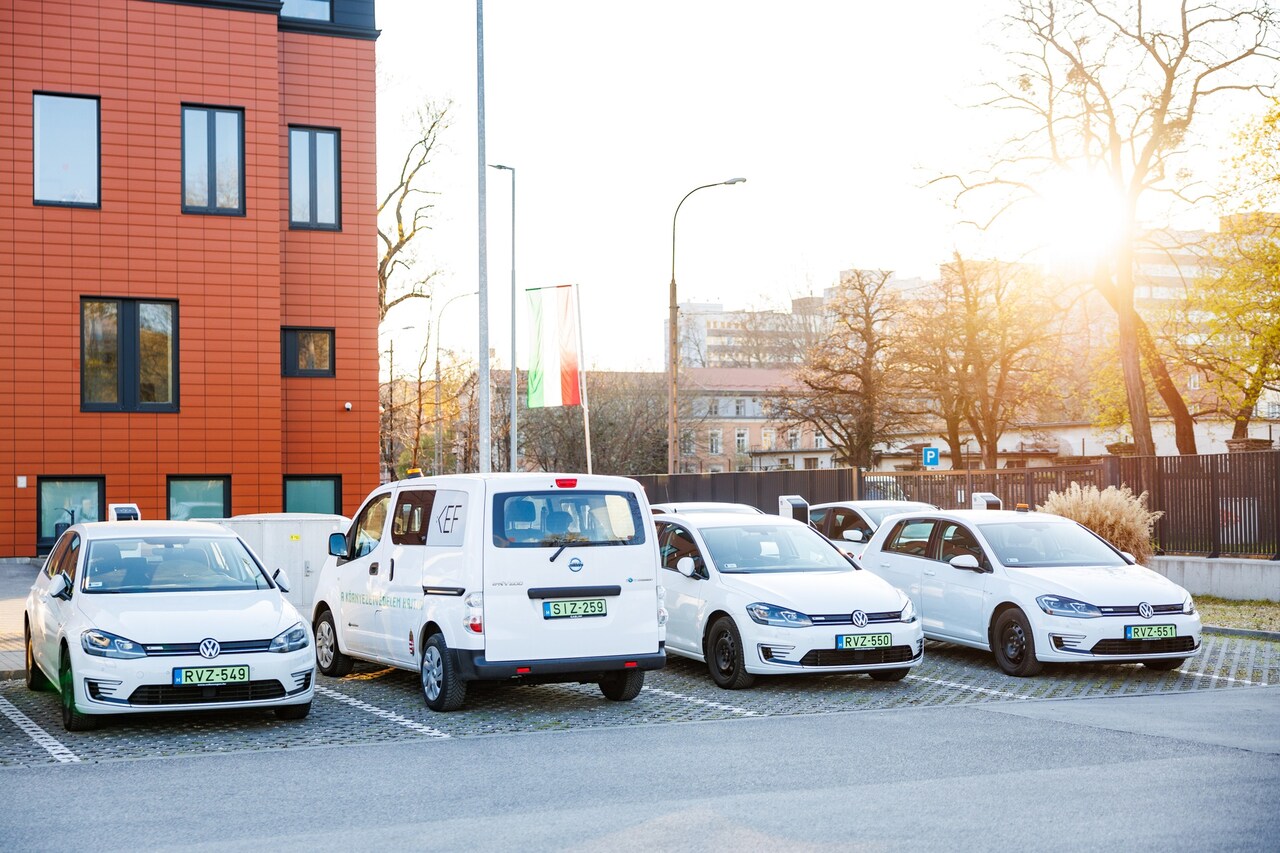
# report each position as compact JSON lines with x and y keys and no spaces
{"x":836,"y":112}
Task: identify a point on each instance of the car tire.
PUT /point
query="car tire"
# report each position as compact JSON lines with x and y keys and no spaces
{"x":72,"y":719}
{"x":725,"y":657}
{"x":329,"y":658}
{"x":1014,"y":645}
{"x":1164,"y":664}
{"x":442,"y":689}
{"x":36,"y":679}
{"x":293,"y":712}
{"x":623,"y":685}
{"x":889,"y":674}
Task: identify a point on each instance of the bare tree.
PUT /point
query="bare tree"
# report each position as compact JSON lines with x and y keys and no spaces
{"x":1115,"y":88}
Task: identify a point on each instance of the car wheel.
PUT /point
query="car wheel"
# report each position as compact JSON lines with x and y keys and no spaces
{"x":623,"y":685}
{"x":441,"y":686}
{"x":293,"y":712}
{"x":1014,"y":645}
{"x":724,"y":656}
{"x":889,"y":674}
{"x":1164,"y":664}
{"x":72,"y":719}
{"x":329,"y":658}
{"x":36,"y":679}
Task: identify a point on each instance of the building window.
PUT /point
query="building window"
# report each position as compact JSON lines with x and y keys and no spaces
{"x":314,"y":199}
{"x":65,"y":150}
{"x":312,"y":10}
{"x":715,"y":442}
{"x":199,"y":497}
{"x":713,"y":407}
{"x":306,"y":352}
{"x":810,"y":463}
{"x":740,"y":407}
{"x":793,"y":439}
{"x":686,"y":442}
{"x":740,"y":440}
{"x":1193,"y":382}
{"x":769,"y":438}
{"x":819,"y":441}
{"x":213,"y":160}
{"x":67,"y":500}
{"x":128,"y":355}
{"x":313,"y":494}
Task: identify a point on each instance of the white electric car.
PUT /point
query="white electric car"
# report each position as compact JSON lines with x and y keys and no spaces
{"x":1032,"y":587}
{"x":760,"y":594}
{"x":130,"y":616}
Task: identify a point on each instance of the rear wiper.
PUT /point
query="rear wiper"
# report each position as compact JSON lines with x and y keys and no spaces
{"x":565,"y":543}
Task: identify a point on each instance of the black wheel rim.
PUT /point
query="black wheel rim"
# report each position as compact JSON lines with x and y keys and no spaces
{"x":1015,"y":643}
{"x":726,"y":654}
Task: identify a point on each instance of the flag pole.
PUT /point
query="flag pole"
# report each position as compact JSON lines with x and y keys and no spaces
{"x":582,"y":376}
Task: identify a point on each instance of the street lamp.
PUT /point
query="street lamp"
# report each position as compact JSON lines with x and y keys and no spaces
{"x":673,"y":336}
{"x":439,"y":423}
{"x":513,"y":309}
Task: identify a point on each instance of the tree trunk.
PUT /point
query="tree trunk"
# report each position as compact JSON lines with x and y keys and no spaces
{"x":1184,"y":428}
{"x":1135,"y":391}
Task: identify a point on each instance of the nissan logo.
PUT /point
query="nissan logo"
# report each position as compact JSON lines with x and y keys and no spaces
{"x":209,"y":648}
{"x":858,"y":618}
{"x":1145,"y":611}
{"x":575,"y":565}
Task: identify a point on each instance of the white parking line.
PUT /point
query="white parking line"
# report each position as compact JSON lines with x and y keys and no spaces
{"x":389,"y":716}
{"x":37,"y":734}
{"x":959,"y":686}
{"x":1226,"y":678}
{"x":717,"y":705}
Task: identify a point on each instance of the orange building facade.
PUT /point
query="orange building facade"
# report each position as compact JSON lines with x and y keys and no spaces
{"x":187,"y":256}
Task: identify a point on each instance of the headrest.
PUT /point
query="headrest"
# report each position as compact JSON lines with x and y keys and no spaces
{"x":521,"y":512}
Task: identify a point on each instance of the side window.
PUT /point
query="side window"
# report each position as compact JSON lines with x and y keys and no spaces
{"x":910,"y":537}
{"x":55,"y":556}
{"x":818,"y":518}
{"x":677,"y":543}
{"x":367,"y":530}
{"x":847,"y":519}
{"x":67,"y":564}
{"x":956,"y":540}
{"x":413,"y":513}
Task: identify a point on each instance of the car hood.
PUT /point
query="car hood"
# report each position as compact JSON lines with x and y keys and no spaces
{"x":818,"y":592}
{"x":1105,"y":586}
{"x":188,"y":617}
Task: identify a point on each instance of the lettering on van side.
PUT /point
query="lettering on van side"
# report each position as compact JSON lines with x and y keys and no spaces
{"x":399,"y":602}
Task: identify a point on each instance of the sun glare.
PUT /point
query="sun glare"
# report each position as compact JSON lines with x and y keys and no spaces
{"x":1080,"y":217}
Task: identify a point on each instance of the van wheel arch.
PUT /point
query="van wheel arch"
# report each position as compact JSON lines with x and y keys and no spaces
{"x":431,"y":627}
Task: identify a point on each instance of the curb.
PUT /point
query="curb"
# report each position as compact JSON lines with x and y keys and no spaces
{"x":6,"y":674}
{"x":1241,"y":632}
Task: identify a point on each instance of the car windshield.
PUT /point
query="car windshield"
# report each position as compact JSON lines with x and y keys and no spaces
{"x":754,"y":548}
{"x":1045,"y":544}
{"x":877,"y":513}
{"x":555,"y":518}
{"x":171,"y":564}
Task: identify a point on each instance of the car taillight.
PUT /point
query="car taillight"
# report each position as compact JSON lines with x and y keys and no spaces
{"x":566,"y":484}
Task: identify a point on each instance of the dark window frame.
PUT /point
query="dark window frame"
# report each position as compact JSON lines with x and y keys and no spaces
{"x":43,"y":543}
{"x":97,"y":99}
{"x":312,"y":178}
{"x":171,"y":478}
{"x":129,"y":361}
{"x":289,"y":352}
{"x":211,"y":156}
{"x":336,"y":479}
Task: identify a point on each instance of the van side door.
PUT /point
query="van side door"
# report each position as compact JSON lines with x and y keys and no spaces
{"x":360,"y":577}
{"x":399,"y":613}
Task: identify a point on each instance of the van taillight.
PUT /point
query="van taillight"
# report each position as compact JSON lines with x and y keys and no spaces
{"x":566,"y":484}
{"x":630,"y":664}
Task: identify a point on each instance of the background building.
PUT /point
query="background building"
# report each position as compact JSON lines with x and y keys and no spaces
{"x":186,"y":259}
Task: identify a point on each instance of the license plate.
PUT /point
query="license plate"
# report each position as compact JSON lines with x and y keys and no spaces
{"x":863,"y":641}
{"x":572,"y":608}
{"x":1149,"y":632}
{"x":209,"y":675}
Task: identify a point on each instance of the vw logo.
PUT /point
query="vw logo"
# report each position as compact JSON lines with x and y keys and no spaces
{"x":575,"y":565}
{"x":858,"y":618}
{"x":1145,"y":611}
{"x":209,"y":648}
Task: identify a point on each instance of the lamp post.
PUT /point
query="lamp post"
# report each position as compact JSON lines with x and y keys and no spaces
{"x":673,"y":336}
{"x":513,"y":309}
{"x":439,"y":423}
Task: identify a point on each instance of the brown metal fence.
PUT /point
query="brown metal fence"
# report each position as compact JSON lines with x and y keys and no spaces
{"x":1215,"y":505}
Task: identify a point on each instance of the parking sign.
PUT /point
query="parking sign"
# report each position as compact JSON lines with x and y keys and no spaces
{"x":931,"y":456}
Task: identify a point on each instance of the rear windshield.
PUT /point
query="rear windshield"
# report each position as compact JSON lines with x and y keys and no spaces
{"x":171,"y":564}
{"x":554,"y":518}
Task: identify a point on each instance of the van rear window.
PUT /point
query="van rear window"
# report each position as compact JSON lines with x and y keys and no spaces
{"x":554,"y":518}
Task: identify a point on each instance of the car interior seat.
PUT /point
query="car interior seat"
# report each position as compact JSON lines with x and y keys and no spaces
{"x":520,"y":518}
{"x":558,"y":523}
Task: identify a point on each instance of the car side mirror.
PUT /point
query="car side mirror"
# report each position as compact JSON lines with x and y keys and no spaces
{"x":852,"y":535}
{"x":968,"y":562}
{"x":281,"y":579}
{"x":60,"y":587}
{"x":687,"y":567}
{"x":337,"y":545}
{"x":1129,"y":558}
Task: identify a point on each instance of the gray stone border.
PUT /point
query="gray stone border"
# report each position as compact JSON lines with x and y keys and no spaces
{"x":1242,"y":632}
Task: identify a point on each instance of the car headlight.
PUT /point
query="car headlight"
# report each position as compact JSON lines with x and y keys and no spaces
{"x":1189,"y":606}
{"x":908,"y":613}
{"x":781,"y":617}
{"x":106,"y":645}
{"x":1060,"y":605}
{"x":290,"y":640}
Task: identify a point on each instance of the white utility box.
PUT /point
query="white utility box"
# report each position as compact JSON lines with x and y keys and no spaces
{"x":297,"y":542}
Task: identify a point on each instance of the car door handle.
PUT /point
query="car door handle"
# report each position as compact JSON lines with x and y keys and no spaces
{"x":884,"y":565}
{"x":373,"y":568}
{"x":930,"y":572}
{"x":391,"y":575}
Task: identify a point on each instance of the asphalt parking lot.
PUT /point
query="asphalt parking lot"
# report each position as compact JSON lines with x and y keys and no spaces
{"x":374,"y":705}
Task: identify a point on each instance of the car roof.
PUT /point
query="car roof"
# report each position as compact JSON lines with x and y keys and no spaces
{"x":706,"y":506}
{"x":868,"y":504}
{"x":732,"y":519}
{"x":987,"y":516}
{"x":94,"y":530}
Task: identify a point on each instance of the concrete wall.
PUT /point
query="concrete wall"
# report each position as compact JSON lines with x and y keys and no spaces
{"x":1223,"y":577}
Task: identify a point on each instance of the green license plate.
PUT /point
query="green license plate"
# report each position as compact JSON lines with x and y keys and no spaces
{"x":863,"y":641}
{"x":210,"y":675}
{"x":572,"y":608}
{"x":1149,"y":632}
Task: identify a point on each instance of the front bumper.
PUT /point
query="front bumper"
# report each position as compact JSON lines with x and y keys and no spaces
{"x":1102,"y":639}
{"x":769,"y":650}
{"x":114,"y":686}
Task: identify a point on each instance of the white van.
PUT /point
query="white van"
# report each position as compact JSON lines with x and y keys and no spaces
{"x":532,"y":578}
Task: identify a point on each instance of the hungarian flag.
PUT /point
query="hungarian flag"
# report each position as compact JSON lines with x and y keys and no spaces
{"x":553,"y":367}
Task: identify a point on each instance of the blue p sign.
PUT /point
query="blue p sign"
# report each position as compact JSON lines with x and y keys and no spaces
{"x":931,"y":456}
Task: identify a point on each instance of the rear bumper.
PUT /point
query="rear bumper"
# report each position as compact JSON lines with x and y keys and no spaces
{"x":472,"y":666}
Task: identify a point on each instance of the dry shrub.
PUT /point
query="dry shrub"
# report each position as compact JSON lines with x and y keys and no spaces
{"x":1117,"y":515}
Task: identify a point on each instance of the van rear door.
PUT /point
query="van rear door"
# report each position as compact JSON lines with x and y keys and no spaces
{"x":569,"y":573}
